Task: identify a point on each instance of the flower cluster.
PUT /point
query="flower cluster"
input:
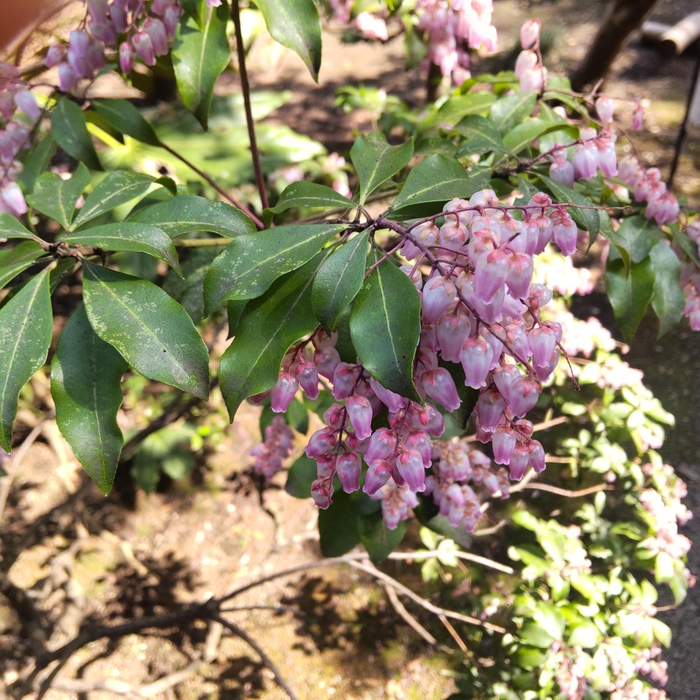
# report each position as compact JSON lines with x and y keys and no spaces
{"x":19,"y":112}
{"x":370,"y":25}
{"x":647,"y":186}
{"x":528,"y":66}
{"x":690,"y":280}
{"x":479,"y":309}
{"x":277,"y":446}
{"x":451,"y":28}
{"x":136,"y":30}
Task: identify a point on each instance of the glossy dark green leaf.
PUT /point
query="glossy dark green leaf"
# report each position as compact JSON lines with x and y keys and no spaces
{"x":339,"y":280}
{"x":385,"y":327}
{"x":188,"y":288}
{"x":200,"y":54}
{"x":86,"y":377}
{"x":522,"y":135}
{"x":298,"y":416}
{"x":454,"y":108}
{"x":56,"y":197}
{"x":11,"y":228}
{"x":126,"y":118}
{"x":187,"y":214}
{"x":126,"y":235}
{"x":587,"y":219}
{"x":17,"y":259}
{"x":296,"y":25}
{"x":640,"y":235}
{"x":152,"y":332}
{"x":668,"y":300}
{"x":435,"y":181}
{"x":629,"y":293}
{"x":117,"y":188}
{"x":26,"y":324}
{"x":376,"y":161}
{"x":338,"y":526}
{"x":309,"y":194}
{"x":234,"y":313}
{"x":250,"y":264}
{"x":37,"y":162}
{"x":300,"y":477}
{"x":268,"y":327}
{"x":481,"y":134}
{"x":377,"y":538}
{"x":509,"y":111}
{"x":69,"y":128}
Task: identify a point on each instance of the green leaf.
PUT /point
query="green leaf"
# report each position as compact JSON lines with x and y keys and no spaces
{"x":535,"y":636}
{"x":298,"y":416}
{"x":587,"y":219}
{"x":296,"y":25}
{"x":454,"y":108}
{"x":56,"y":197}
{"x":339,"y":280}
{"x":435,"y":181}
{"x":376,"y":161}
{"x":151,"y":330}
{"x":629,"y":293}
{"x":126,"y":118}
{"x":385,"y":327}
{"x":338,"y":526}
{"x":509,"y":111}
{"x":11,"y":228}
{"x":188,"y":289}
{"x":86,"y":377}
{"x":26,"y":325}
{"x":37,"y":162}
{"x":668,"y":300}
{"x":140,"y":238}
{"x":300,"y":477}
{"x":199,"y":56}
{"x":268,"y":327}
{"x":525,"y":133}
{"x":234,"y":312}
{"x":481,"y":135}
{"x":639,"y":235}
{"x":585,"y":635}
{"x":17,"y":259}
{"x":69,"y":128}
{"x":117,"y":188}
{"x":377,"y":538}
{"x":250,"y":264}
{"x":187,"y":214}
{"x":309,"y":194}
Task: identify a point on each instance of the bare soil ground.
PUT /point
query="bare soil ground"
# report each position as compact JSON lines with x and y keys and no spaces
{"x":70,"y":555}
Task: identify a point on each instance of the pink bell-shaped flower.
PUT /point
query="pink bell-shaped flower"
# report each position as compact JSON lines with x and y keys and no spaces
{"x":410,"y":465}
{"x":126,"y":56}
{"x":489,"y":409}
{"x":585,"y":162}
{"x":503,"y":444}
{"x":565,"y":235}
{"x":542,"y":342}
{"x":519,"y":275}
{"x":491,"y":273}
{"x":524,"y":393}
{"x":605,"y":108}
{"x":322,"y":493}
{"x":529,"y":33}
{"x":320,"y":443}
{"x":438,"y":294}
{"x":537,"y":456}
{"x":377,"y":475}
{"x":562,"y":171}
{"x":282,"y":392}
{"x":360,"y":412}
{"x":439,"y":386}
{"x":518,"y":462}
{"x":382,"y":444}
{"x":348,"y":468}
{"x":307,"y":376}
{"x":452,"y":330}
{"x":503,"y":377}
{"x":143,"y":45}
{"x":476,"y":356}
{"x":421,"y":442}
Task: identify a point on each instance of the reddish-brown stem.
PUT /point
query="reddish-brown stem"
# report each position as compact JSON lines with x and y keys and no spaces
{"x":239,"y":205}
{"x":245,"y":88}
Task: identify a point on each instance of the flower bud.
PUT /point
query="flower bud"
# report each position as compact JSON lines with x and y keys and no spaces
{"x":562,"y":171}
{"x":344,"y":379}
{"x":503,"y":443}
{"x":489,"y":409}
{"x":438,"y":294}
{"x":282,"y":392}
{"x":542,"y":341}
{"x":348,"y":467}
{"x":360,"y":412}
{"x":307,"y":376}
{"x":476,"y":356}
{"x":491,"y":273}
{"x":327,"y":360}
{"x":382,"y":444}
{"x":410,"y":467}
{"x":378,"y":474}
{"x":55,"y":55}
{"x":605,"y":108}
{"x":67,"y":77}
{"x":144,"y":48}
{"x":518,"y":462}
{"x":529,"y":33}
{"x":320,"y":443}
{"x":322,"y":493}
{"x":156,"y":30}
{"x":439,"y":386}
{"x":453,"y":329}
{"x":585,"y":162}
{"x":394,"y":402}
{"x":126,"y":57}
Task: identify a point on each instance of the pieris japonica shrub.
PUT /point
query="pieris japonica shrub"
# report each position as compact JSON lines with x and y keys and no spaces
{"x":421,"y":318}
